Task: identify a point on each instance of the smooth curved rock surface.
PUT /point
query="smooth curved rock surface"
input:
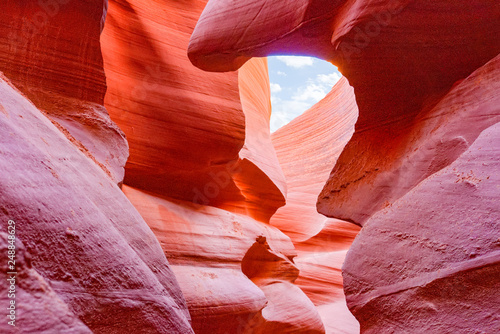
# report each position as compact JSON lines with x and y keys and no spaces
{"x":437,"y":137}
{"x":398,"y":67}
{"x":307,"y":148}
{"x":202,"y":171}
{"x":444,"y":230}
{"x":288,"y":309}
{"x":426,"y":81}
{"x":445,"y":278}
{"x":193,"y":135}
{"x":85,"y":238}
{"x":211,"y":252}
{"x":266,"y":186}
{"x":182,"y":124}
{"x":50,"y":51}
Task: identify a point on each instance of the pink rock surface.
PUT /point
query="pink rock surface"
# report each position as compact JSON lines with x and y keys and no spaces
{"x":36,"y":308}
{"x":425,"y":78}
{"x":445,"y":260}
{"x":84,"y":237}
{"x":445,"y":278}
{"x":50,"y":50}
{"x":288,"y":308}
{"x":189,"y":133}
{"x":307,"y":148}
{"x":321,"y":280}
{"x":210,"y":251}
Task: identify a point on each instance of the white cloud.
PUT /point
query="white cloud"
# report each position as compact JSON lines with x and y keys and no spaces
{"x":312,"y":93}
{"x":316,"y":88}
{"x":275,"y":88}
{"x":296,"y":62}
{"x":284,"y":111}
{"x":290,"y":99}
{"x":329,"y":79}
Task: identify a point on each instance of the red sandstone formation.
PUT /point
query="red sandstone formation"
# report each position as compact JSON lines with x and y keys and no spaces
{"x":202,"y":169}
{"x":420,"y":172}
{"x":50,"y":51}
{"x":96,"y":266}
{"x":210,"y":251}
{"x":307,"y":148}
{"x":85,"y":239}
{"x":190,"y":136}
{"x":446,"y":263}
{"x":422,"y":114}
{"x":261,"y":179}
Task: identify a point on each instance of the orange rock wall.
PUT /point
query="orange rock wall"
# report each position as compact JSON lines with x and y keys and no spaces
{"x":307,"y":147}
{"x":85,"y":259}
{"x":423,"y":73}
{"x":50,"y":50}
{"x":202,"y":169}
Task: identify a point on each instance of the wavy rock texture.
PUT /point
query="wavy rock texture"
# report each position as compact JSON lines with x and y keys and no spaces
{"x":414,"y":81}
{"x":208,"y":249}
{"x":425,"y":78}
{"x":444,"y":273}
{"x":83,"y":236}
{"x":261,"y":172}
{"x":447,"y":253}
{"x":202,"y":170}
{"x":190,"y":136}
{"x":375,"y":44}
{"x":50,"y":51}
{"x":288,"y":310}
{"x":37,"y":305}
{"x":307,"y":148}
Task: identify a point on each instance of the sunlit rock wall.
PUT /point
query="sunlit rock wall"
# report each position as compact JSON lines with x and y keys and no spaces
{"x":423,"y":73}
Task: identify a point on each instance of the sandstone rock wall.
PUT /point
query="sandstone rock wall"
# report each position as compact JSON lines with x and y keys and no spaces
{"x":86,"y":261}
{"x":307,"y":147}
{"x":50,"y":50}
{"x":202,"y":170}
{"x":232,"y":207}
{"x":424,"y":76}
{"x":85,"y":240}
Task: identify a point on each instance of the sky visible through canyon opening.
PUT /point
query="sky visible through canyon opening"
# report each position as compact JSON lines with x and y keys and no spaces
{"x":297,"y":83}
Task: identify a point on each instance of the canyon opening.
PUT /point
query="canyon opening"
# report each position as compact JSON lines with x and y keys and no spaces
{"x":161,"y":172}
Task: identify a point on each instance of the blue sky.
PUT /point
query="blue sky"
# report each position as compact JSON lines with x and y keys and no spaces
{"x":296,"y":84}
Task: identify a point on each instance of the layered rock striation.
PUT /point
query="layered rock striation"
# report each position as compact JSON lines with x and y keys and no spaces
{"x":85,"y":240}
{"x":424,"y":75}
{"x":190,"y":136}
{"x":50,"y":51}
{"x":231,"y":206}
{"x":307,"y":147}
{"x":85,"y":259}
{"x":202,"y":170}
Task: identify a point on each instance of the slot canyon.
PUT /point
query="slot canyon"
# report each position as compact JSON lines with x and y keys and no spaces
{"x":142,"y":191}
